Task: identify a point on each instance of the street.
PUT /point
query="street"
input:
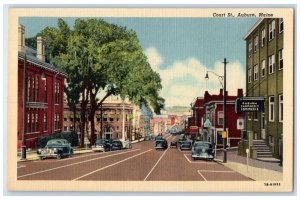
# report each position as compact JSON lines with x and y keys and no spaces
{"x":141,"y":163}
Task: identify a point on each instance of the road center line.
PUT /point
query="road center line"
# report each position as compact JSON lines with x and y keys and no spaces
{"x":201,"y":175}
{"x":155,"y":164}
{"x":110,"y":165}
{"x":47,"y":170}
{"x":21,"y":166}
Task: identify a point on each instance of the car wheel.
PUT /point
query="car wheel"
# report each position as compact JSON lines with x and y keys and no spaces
{"x":58,"y":156}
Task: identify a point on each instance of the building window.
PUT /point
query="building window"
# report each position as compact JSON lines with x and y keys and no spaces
{"x":28,"y":123}
{"x":111,"y":117}
{"x":45,"y":91}
{"x":98,"y":117}
{"x":256,"y":44}
{"x":280,"y":25}
{"x":255,"y":116}
{"x":280,"y":56}
{"x":250,"y":116}
{"x":263,"y":37}
{"x":281,"y":108}
{"x":249,"y":75}
{"x":36,"y":122}
{"x":255,"y":72}
{"x":263,"y":68}
{"x":37,"y":89}
{"x":32,"y":122}
{"x":65,"y":128}
{"x":55,"y":121}
{"x":271,"y":30}
{"x":28,"y":88}
{"x":220,"y":118}
{"x":271,"y":64}
{"x":105,"y":117}
{"x":57,"y":96}
{"x":271,"y":108}
{"x":250,"y":48}
{"x":45,"y":121}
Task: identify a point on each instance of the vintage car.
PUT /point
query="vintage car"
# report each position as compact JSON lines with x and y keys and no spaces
{"x":182,"y":138}
{"x":159,"y":137}
{"x":186,"y":145}
{"x":173,"y":144}
{"x":101,"y":145}
{"x":202,"y":150}
{"x":56,"y":148}
{"x":116,"y":145}
{"x":161,"y":144}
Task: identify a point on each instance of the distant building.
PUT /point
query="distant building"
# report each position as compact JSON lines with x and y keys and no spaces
{"x":265,"y":65}
{"x":44,"y":89}
{"x":112,"y":120}
{"x":158,"y":124}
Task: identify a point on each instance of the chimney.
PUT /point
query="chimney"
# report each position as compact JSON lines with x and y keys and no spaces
{"x":40,"y":48}
{"x":21,"y":38}
{"x":240,"y":93}
{"x":221,"y":92}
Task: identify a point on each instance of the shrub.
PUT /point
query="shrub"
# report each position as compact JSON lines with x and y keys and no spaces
{"x":72,"y":138}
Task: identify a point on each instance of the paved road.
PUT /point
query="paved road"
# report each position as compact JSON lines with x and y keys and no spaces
{"x":141,"y":163}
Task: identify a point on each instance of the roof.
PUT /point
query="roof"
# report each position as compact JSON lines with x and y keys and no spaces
{"x":31,"y":57}
{"x":253,"y":28}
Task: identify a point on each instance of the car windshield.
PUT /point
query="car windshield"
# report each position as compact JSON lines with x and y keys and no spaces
{"x":55,"y":142}
{"x":101,"y":142}
{"x":202,"y":145}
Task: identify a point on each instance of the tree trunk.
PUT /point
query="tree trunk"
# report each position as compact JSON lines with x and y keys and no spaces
{"x":91,"y":117}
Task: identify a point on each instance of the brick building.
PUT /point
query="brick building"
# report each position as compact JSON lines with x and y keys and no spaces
{"x":44,"y":88}
{"x":265,"y":65}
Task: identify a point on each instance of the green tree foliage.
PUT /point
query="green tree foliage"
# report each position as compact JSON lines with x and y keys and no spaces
{"x":98,"y":56}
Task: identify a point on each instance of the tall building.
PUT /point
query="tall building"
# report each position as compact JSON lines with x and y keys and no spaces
{"x":43,"y":93}
{"x":265,"y":65}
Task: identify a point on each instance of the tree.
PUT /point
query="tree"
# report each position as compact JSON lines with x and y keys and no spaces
{"x":98,"y":56}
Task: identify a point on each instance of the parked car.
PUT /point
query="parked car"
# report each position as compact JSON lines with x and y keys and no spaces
{"x":161,"y":144}
{"x":116,"y":144}
{"x":173,"y":144}
{"x":159,"y":137}
{"x":186,"y":145}
{"x":203,"y":150}
{"x":182,"y":138}
{"x":101,"y":145}
{"x":55,"y":148}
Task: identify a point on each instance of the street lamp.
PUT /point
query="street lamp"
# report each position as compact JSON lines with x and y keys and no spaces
{"x":224,"y":134}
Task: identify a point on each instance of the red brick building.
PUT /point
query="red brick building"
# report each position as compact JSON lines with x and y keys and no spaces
{"x":44,"y":90}
{"x":208,"y":116}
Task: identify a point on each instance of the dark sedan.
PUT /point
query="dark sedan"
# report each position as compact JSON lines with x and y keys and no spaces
{"x":56,"y":148}
{"x":202,"y":150}
{"x":161,"y":144}
{"x":116,"y":145}
{"x":173,"y":144}
{"x":186,"y":145}
{"x":101,"y":145}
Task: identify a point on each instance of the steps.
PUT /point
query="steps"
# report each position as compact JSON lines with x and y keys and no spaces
{"x":263,"y":151}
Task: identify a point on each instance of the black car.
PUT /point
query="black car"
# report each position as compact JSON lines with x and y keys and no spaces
{"x":182,"y":138}
{"x":203,"y":150}
{"x":101,"y":145}
{"x":55,"y":148}
{"x":116,"y":145}
{"x":161,"y":144}
{"x":186,"y":145}
{"x":173,"y":144}
{"x":159,"y":137}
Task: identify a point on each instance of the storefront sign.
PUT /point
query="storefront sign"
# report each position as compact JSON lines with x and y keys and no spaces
{"x":249,"y":104}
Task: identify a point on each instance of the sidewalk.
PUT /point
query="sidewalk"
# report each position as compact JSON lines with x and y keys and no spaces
{"x":32,"y":155}
{"x":256,"y":170}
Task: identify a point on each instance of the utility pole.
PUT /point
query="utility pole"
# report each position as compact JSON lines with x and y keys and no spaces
{"x":225,"y":134}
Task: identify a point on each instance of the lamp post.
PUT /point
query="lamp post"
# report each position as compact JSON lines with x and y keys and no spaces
{"x":224,"y":134}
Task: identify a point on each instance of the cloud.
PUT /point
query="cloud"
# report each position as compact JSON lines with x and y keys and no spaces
{"x":184,"y":80}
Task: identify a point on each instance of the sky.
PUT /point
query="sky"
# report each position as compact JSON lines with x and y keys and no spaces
{"x":181,"y":50}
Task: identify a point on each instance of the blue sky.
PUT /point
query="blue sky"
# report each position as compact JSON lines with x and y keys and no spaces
{"x":182,"y":50}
